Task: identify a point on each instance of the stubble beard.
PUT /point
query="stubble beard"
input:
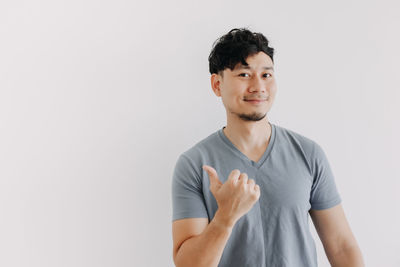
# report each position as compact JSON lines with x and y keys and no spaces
{"x":255,"y":116}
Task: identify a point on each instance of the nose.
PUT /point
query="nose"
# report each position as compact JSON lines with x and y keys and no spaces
{"x":257,"y":84}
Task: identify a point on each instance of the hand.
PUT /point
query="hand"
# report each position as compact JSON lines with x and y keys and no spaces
{"x":235,"y":197}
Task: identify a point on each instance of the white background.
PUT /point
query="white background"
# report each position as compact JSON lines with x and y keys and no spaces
{"x":99,"y":98}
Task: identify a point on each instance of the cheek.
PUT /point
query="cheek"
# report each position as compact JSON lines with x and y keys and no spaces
{"x":272,"y":87}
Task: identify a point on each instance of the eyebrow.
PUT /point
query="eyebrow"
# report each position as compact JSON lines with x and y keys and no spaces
{"x":249,"y":68}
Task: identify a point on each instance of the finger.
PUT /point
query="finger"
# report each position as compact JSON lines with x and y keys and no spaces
{"x":251,"y":183}
{"x":253,"y":186}
{"x":257,"y":190}
{"x":212,"y":174}
{"x":234,"y":176}
{"x":243,"y":178}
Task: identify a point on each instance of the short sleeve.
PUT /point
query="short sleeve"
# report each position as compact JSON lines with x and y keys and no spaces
{"x":324,"y":193}
{"x":187,"y":197}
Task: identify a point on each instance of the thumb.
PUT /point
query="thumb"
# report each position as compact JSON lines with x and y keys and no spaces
{"x":213,"y":176}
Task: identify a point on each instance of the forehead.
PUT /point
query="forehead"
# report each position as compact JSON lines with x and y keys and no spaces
{"x":250,"y":67}
{"x":258,"y":61}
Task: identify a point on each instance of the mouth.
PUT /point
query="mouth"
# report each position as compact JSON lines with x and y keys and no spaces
{"x":256,"y":101}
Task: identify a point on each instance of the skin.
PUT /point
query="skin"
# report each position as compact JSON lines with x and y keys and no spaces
{"x":246,"y":121}
{"x":196,"y":240}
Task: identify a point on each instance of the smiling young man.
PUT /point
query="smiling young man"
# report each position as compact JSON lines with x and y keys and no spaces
{"x":242,"y":196}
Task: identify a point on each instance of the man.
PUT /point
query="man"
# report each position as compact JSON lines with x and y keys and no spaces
{"x":241,"y":197}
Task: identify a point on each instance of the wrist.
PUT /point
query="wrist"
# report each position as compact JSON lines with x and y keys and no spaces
{"x":223,"y":221}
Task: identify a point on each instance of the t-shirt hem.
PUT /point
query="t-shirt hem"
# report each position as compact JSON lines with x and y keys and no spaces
{"x":189,"y":215}
{"x":326,"y":205}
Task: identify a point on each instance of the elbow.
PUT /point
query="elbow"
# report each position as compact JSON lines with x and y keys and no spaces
{"x":180,"y":261}
{"x":177,"y":257}
{"x":350,"y":256}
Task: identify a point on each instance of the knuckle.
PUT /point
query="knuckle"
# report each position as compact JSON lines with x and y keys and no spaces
{"x":243,"y":187}
{"x":243,"y":177}
{"x":236,"y":171}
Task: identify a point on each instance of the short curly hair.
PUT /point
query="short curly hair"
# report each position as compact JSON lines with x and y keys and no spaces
{"x":235,"y":47}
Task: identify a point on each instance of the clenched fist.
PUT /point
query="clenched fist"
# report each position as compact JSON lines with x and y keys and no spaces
{"x":235,"y":197}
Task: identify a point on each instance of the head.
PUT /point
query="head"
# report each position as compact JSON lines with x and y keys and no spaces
{"x":241,"y":66}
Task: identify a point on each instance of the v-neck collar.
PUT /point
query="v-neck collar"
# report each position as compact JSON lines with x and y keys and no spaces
{"x":243,"y":156}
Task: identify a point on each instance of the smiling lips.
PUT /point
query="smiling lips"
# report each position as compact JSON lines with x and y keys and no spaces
{"x":256,"y":100}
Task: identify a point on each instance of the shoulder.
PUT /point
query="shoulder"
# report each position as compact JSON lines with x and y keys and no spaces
{"x":201,"y":149}
{"x":295,"y":138}
{"x":309,"y":148}
{"x":195,"y":155}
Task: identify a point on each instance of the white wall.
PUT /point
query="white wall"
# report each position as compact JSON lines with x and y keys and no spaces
{"x":98,"y":99}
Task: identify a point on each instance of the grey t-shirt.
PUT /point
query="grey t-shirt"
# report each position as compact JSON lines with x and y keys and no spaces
{"x":294,"y":176}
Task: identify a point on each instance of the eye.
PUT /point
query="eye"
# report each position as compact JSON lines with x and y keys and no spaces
{"x":268,"y":74}
{"x":241,"y":74}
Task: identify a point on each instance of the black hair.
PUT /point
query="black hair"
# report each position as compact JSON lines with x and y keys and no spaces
{"x":234,"y":47}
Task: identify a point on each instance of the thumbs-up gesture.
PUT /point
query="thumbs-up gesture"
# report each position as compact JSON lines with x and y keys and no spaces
{"x":235,"y":197}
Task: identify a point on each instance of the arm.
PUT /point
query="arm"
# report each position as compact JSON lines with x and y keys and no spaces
{"x":198,"y":243}
{"x":339,"y":243}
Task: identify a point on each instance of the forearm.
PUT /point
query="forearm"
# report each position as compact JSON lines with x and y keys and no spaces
{"x":350,"y":257}
{"x":205,"y":249}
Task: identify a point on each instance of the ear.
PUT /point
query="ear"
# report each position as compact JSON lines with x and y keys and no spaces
{"x":215,"y":83}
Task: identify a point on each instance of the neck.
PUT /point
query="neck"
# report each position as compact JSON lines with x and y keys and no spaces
{"x":248,"y":135}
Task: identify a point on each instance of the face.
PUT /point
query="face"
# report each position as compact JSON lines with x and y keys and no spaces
{"x":247,"y":91}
